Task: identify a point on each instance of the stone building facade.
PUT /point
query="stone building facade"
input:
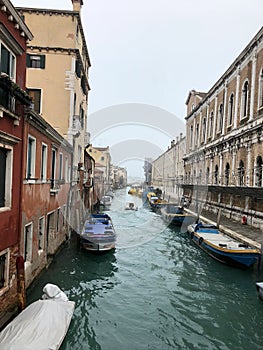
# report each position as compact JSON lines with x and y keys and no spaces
{"x":224,"y":139}
{"x":168,"y":169}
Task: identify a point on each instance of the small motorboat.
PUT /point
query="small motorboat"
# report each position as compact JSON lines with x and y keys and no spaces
{"x":131,"y":206}
{"x":41,"y":325}
{"x":106,"y":201}
{"x":259,"y":286}
{"x":221,"y":247}
{"x":98,"y":234}
{"x":174,"y":214}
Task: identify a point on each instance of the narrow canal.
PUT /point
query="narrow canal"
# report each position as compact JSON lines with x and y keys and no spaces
{"x":156,"y":291}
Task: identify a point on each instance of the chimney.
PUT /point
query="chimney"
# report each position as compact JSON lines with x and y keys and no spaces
{"x":77,"y":5}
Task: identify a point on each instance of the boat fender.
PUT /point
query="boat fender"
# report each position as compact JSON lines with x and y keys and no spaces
{"x":200,"y":241}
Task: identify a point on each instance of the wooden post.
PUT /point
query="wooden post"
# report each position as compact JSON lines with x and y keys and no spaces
{"x":218,"y":218}
{"x":21,"y":290}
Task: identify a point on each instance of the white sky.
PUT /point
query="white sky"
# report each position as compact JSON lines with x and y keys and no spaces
{"x":154,"y":52}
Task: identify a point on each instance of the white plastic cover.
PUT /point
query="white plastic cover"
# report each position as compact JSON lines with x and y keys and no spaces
{"x":52,"y":291}
{"x":41,"y":326}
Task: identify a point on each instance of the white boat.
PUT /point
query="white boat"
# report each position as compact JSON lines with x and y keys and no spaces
{"x":106,"y":201}
{"x":131,"y":206}
{"x":259,"y":286}
{"x":42,"y":325}
{"x":98,"y":233}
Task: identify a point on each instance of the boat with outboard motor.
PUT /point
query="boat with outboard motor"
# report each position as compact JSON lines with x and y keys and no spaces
{"x":221,"y":247}
{"x":98,"y":233}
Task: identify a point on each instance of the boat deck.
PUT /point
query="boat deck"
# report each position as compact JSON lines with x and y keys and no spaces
{"x":245,"y":233}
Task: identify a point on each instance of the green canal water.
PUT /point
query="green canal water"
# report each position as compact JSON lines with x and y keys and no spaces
{"x":155,"y":291}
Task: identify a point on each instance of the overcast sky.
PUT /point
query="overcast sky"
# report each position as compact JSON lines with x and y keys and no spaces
{"x":154,"y":52}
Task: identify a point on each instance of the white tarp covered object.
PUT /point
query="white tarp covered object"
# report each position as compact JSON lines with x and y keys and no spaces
{"x":41,"y":326}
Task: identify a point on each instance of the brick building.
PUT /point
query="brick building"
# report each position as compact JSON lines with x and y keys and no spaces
{"x":13,"y":37}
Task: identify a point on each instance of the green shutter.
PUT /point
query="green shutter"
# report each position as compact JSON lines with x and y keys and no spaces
{"x":42,"y":61}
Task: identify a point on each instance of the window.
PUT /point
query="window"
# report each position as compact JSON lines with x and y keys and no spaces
{"x":259,"y":171}
{"x":35,"y":94}
{"x":191,"y":136}
{"x":35,"y":61}
{"x":6,"y":166}
{"x":31,"y":157}
{"x":66,"y":169}
{"x":102,"y":159}
{"x":244,"y":101}
{"x":79,"y":152}
{"x":230,"y":109}
{"x":41,"y":233}
{"x":44,"y":162}
{"x":8,"y":62}
{"x":28,"y":237}
{"x":60,"y":175}
{"x":211,"y":124}
{"x":260,"y":95}
{"x":216,"y":174}
{"x":204,"y":128}
{"x":4,"y":268}
{"x":220,"y":118}
{"x":241,"y":173}
{"x":53,"y":167}
{"x":197,"y":134}
{"x":227,"y":172}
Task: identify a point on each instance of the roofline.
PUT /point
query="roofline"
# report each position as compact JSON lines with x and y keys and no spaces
{"x":13,"y":11}
{"x":68,"y":12}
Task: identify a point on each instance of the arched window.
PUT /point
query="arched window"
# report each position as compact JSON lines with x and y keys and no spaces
{"x":191,"y":136}
{"x":204,"y":128}
{"x":220,"y":118}
{"x":216,"y":174}
{"x":207,"y":175}
{"x":197,"y":134}
{"x":259,"y":165}
{"x":241,"y":173}
{"x":230,"y":109}
{"x":260,"y":95}
{"x":211,"y":124}
{"x":227,"y":172}
{"x":244,"y":101}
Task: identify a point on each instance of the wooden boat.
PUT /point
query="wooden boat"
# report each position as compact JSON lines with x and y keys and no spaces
{"x":259,"y":286}
{"x":42,"y":325}
{"x":98,"y":234}
{"x":222,"y":247}
{"x":131,"y":206}
{"x":174,"y":214}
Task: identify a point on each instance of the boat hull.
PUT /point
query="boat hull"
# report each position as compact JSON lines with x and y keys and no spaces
{"x":240,"y":257}
{"x":98,"y":234}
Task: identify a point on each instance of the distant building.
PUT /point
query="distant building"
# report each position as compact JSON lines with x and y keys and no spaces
{"x":148,"y":170}
{"x":118,"y":177}
{"x":102,"y":157}
{"x":168,"y":169}
{"x":224,"y":135}
{"x":13,"y":99}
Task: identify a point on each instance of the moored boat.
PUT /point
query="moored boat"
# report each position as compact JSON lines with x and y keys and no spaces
{"x":106,"y":201}
{"x":259,"y":286}
{"x":98,"y":233}
{"x":174,"y":214}
{"x":41,"y":325}
{"x":222,"y":247}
